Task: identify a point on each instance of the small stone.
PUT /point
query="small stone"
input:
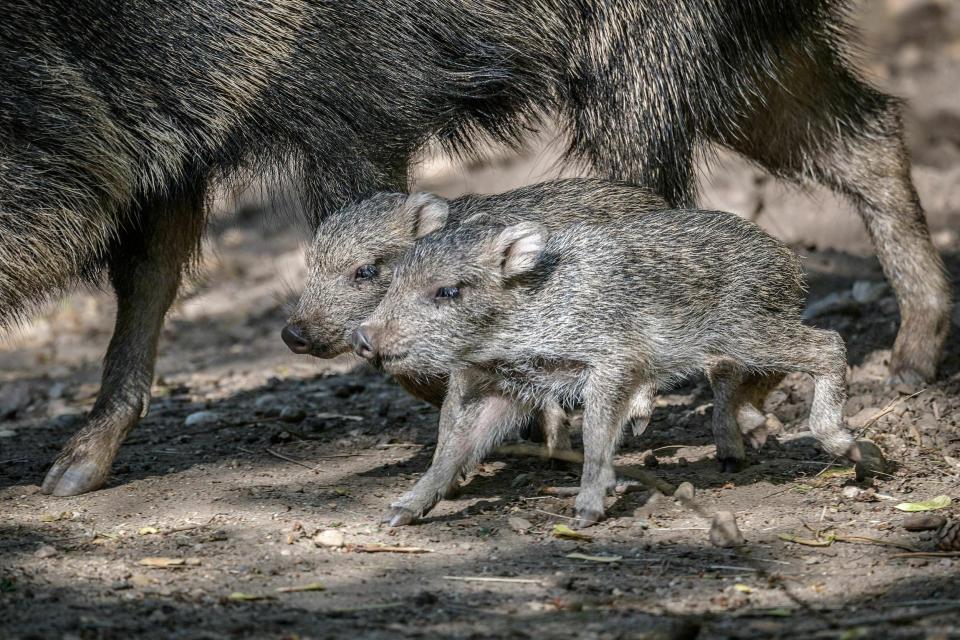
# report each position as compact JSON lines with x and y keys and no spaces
{"x":650,"y":460}
{"x":57,"y":389}
{"x":201,"y":418}
{"x":292,"y":414}
{"x":45,"y":551}
{"x":14,"y":396}
{"x":519,"y":525}
{"x":7,"y":433}
{"x":330,"y":538}
{"x":851,"y":492}
{"x":684,"y":491}
{"x":724,"y":531}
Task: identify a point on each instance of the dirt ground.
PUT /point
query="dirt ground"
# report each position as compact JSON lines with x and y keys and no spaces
{"x":251,"y":458}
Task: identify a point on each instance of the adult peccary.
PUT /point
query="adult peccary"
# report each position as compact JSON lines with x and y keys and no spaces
{"x":116,"y":118}
{"x":600,"y":315}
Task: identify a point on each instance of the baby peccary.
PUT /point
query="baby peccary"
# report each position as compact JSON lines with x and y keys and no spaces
{"x":355,"y":250}
{"x":598,"y":315}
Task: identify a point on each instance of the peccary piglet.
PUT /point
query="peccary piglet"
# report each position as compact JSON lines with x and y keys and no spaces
{"x":355,"y":250}
{"x":600,"y":315}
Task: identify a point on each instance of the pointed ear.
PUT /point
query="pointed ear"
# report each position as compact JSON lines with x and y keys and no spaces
{"x":429,"y":213}
{"x":519,"y":246}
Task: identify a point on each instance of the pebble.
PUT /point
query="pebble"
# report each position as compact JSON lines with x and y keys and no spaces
{"x":851,"y":492}
{"x":330,"y":538}
{"x":684,"y":490}
{"x":519,"y":524}
{"x":724,"y":531}
{"x":7,"y":433}
{"x":201,"y":418}
{"x":45,"y":551}
{"x":292,"y":414}
{"x":650,"y":460}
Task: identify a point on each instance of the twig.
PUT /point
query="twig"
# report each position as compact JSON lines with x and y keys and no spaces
{"x":492,"y":579}
{"x":555,"y":515}
{"x":283,"y":457}
{"x":927,"y":554}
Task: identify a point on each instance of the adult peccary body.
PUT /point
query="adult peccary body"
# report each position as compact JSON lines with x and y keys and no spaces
{"x":116,"y":117}
{"x":599,"y":315}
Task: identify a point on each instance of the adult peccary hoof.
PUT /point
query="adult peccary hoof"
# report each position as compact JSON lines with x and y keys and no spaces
{"x":724,"y":531}
{"x":872,"y":462}
{"x":398,"y":517}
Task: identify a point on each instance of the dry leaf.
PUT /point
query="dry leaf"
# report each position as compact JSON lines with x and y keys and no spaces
{"x":563,"y":531}
{"x":162,"y":562}
{"x":146,"y":531}
{"x":742,"y":588}
{"x":583,"y":556}
{"x":313,"y":586}
{"x":239,"y":596}
{"x":940,"y":502}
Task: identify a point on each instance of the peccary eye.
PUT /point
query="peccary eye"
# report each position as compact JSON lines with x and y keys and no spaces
{"x":366,"y":272}
{"x":447,"y":293}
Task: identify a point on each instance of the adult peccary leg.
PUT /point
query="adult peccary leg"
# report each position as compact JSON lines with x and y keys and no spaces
{"x":822,"y":123}
{"x":145,"y":265}
{"x":470,"y":426}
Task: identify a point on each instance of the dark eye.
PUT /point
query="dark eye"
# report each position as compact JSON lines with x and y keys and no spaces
{"x":447,"y":293}
{"x":366,"y":272}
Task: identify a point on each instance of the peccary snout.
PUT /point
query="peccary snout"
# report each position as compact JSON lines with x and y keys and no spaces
{"x":293,"y":337}
{"x":362,"y":340}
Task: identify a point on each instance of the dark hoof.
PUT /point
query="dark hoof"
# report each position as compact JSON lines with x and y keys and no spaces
{"x":730,"y":465}
{"x":71,"y":477}
{"x":587,"y":518}
{"x":872,"y":462}
{"x":398,"y":517}
{"x":909,"y":377}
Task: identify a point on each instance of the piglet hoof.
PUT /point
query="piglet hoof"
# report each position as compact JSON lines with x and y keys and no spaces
{"x":870,"y":461}
{"x":587,"y":518}
{"x":398,"y":517}
{"x":73,"y":474}
{"x":908,"y":376}
{"x":758,"y":437}
{"x":730,"y":465}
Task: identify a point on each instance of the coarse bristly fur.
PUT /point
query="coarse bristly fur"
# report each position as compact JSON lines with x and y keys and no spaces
{"x":117,"y":117}
{"x":355,"y":250}
{"x":603,"y":316}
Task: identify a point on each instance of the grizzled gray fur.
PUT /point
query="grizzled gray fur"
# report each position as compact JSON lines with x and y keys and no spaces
{"x":356,"y":249}
{"x":116,"y":118}
{"x":600,"y":315}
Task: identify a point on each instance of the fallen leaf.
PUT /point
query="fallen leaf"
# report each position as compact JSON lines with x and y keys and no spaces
{"x":583,"y":556}
{"x":146,"y":531}
{"x":313,"y":586}
{"x":239,"y":596}
{"x":940,"y":502}
{"x":565,"y":532}
{"x":162,"y":562}
{"x":742,"y":588}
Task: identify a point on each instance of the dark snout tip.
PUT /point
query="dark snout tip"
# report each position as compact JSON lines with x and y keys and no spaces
{"x":362,"y":344}
{"x":293,"y":337}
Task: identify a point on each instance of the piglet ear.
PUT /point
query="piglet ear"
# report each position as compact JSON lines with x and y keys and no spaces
{"x":519,"y":246}
{"x":429,"y":213}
